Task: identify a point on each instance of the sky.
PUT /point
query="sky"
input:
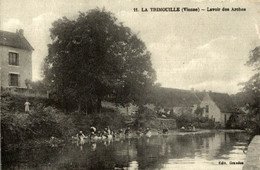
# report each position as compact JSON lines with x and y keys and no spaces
{"x":203,"y":50}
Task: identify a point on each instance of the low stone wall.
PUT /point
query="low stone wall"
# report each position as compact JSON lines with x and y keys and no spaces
{"x":253,"y":155}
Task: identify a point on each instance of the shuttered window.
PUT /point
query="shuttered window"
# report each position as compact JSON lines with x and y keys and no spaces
{"x":14,"y":79}
{"x":13,"y":58}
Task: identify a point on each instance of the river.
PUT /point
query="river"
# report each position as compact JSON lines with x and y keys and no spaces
{"x":209,"y":150}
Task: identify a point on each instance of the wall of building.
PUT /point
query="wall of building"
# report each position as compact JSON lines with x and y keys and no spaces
{"x":24,"y":69}
{"x":214,"y":112}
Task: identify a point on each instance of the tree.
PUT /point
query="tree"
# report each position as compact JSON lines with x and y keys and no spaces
{"x":252,"y":87}
{"x":94,"y":58}
{"x":38,"y":87}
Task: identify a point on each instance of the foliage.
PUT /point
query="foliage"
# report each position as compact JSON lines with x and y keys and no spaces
{"x":39,"y":86}
{"x":45,"y":121}
{"x":254,"y":58}
{"x":185,"y":120}
{"x":107,"y":117}
{"x":148,"y":118}
{"x":242,"y":98}
{"x":199,"y":111}
{"x":15,"y":103}
{"x":96,"y":57}
{"x":252,"y":87}
{"x":27,"y":83}
{"x":18,"y":127}
{"x":198,"y":121}
{"x":144,"y":115}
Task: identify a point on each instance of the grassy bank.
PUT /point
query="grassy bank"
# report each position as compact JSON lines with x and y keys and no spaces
{"x":44,"y":121}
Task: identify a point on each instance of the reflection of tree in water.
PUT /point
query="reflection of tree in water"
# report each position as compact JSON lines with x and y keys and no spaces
{"x":187,"y":145}
{"x":230,"y":140}
{"x":104,"y":157}
{"x":29,"y":158}
{"x":149,"y":153}
{"x":182,"y":146}
{"x":238,"y":137}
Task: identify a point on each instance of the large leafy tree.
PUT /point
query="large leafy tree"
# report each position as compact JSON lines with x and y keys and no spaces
{"x":252,"y":87}
{"x":94,"y":58}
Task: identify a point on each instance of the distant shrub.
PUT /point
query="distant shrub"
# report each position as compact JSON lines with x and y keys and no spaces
{"x":144,"y":116}
{"x":185,"y":120}
{"x":107,"y":117}
{"x":198,"y":121}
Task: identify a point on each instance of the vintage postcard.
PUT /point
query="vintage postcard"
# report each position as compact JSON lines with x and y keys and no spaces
{"x":130,"y":84}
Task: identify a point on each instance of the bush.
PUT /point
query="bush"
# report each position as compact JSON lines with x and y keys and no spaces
{"x":144,"y":117}
{"x":42,"y":122}
{"x":48,"y":121}
{"x":185,"y":120}
{"x":196,"y":120}
{"x":45,"y":121}
{"x":107,"y":117}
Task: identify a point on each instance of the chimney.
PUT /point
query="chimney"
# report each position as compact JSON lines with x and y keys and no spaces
{"x":20,"y":32}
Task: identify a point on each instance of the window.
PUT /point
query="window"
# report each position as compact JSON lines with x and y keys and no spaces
{"x":13,"y":59}
{"x":207,"y":108}
{"x":14,"y":79}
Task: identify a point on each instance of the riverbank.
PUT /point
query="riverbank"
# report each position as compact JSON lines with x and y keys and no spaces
{"x":45,"y":121}
{"x":253,"y":155}
{"x":35,"y":129}
{"x":61,"y":141}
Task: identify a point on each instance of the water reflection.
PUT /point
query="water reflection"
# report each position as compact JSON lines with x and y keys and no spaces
{"x":190,"y":151}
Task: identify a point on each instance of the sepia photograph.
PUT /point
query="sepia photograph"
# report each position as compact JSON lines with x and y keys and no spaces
{"x":130,"y":84}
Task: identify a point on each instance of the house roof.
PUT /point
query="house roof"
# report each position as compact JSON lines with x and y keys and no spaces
{"x":15,"y":40}
{"x":169,"y":97}
{"x":224,"y":102}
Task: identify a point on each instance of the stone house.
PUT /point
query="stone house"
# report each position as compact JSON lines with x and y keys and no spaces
{"x":16,"y":60}
{"x":219,"y":107}
{"x":216,"y":106}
